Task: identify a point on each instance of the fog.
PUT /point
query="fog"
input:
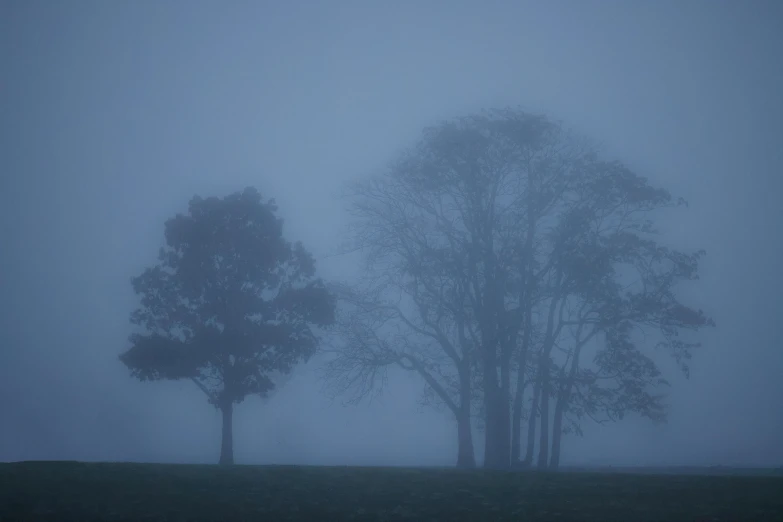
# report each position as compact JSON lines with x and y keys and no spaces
{"x":114,"y":114}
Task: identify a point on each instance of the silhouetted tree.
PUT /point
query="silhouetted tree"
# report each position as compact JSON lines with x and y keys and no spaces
{"x":230,"y":304}
{"x":450,"y":221}
{"x":510,"y":242}
{"x":614,"y":291}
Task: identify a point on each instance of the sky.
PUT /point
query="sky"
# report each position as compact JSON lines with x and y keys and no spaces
{"x":114,"y":114}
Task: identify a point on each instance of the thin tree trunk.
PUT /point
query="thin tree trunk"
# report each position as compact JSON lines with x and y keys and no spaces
{"x":527,"y":325}
{"x":557,"y":431}
{"x":490,"y":424}
{"x":544,"y":368}
{"x":519,"y":393}
{"x":227,"y":443}
{"x":543,"y":445}
{"x":504,"y":418}
{"x":465,"y":455}
{"x":493,"y":457}
{"x":516,"y":421}
{"x":504,"y":431}
{"x":563,"y":398}
{"x":531,"y":425}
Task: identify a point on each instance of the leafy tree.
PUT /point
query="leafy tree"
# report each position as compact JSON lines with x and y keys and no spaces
{"x":229,"y":305}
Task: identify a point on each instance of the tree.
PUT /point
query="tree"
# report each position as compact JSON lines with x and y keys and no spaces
{"x":442,"y":225}
{"x":613,"y":280}
{"x":511,"y":235}
{"x":229,"y":304}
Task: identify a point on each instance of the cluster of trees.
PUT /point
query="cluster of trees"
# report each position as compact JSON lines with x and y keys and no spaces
{"x":506,"y":264}
{"x":500,"y":252}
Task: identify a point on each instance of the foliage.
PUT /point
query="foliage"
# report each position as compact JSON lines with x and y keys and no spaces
{"x":230,"y":302}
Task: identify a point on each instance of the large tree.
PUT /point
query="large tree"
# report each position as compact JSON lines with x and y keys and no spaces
{"x":229,"y":305}
{"x":513,"y":232}
{"x":454,"y":220}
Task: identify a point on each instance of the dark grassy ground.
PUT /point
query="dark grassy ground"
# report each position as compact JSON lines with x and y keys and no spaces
{"x":153,"y":492}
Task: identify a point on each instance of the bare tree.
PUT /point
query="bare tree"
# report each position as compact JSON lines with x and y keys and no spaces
{"x":453,"y":224}
{"x":496,"y":249}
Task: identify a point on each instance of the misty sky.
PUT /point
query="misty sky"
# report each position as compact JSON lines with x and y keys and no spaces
{"x":113,"y":114}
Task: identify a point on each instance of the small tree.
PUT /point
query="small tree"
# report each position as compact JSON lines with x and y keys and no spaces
{"x":230,"y":304}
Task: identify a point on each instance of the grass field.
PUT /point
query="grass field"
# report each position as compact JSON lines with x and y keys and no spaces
{"x":157,"y":492}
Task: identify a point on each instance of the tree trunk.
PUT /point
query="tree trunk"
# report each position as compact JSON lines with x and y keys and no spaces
{"x":544,"y":368}
{"x":516,"y":419}
{"x":516,"y":422}
{"x":504,"y":407}
{"x":563,"y":398}
{"x":227,"y":443}
{"x":494,"y":345}
{"x":531,"y":424}
{"x":497,"y":441}
{"x":527,"y":326}
{"x":543,"y":445}
{"x":519,"y":392}
{"x":493,"y":434}
{"x":557,"y":431}
{"x":490,"y":424}
{"x":465,"y":455}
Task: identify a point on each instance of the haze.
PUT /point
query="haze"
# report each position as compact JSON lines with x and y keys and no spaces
{"x":114,"y":114}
